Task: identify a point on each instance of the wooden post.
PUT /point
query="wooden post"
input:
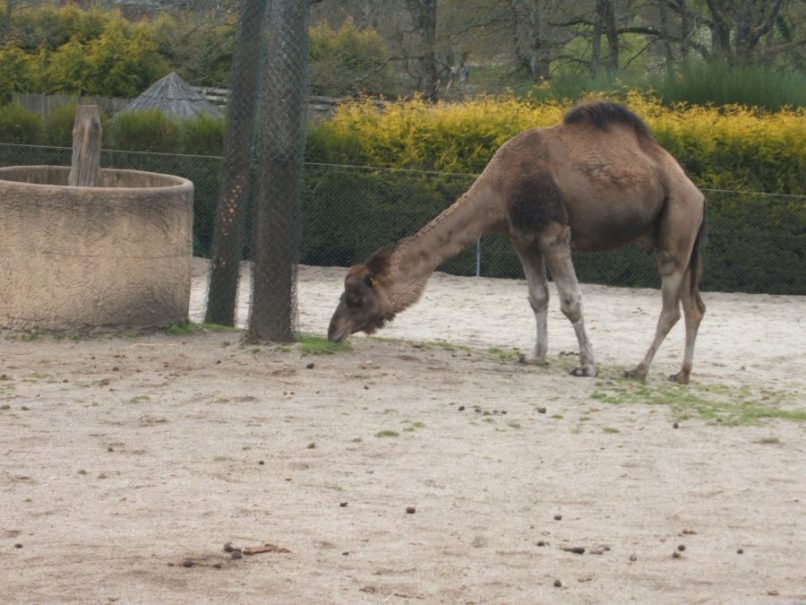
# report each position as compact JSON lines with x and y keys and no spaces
{"x":86,"y":164}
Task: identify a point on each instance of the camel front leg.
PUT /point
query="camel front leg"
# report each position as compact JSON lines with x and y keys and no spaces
{"x":534,"y":268}
{"x":556,"y":247}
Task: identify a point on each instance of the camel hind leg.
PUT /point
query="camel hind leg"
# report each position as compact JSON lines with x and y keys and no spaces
{"x":671,"y":280}
{"x":555,"y":244}
{"x":678,"y":254}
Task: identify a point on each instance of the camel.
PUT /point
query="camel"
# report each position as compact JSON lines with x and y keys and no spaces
{"x":596,"y":181}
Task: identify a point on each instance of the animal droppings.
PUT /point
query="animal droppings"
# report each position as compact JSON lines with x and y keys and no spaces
{"x":311,"y":366}
{"x":541,"y":410}
{"x":461,"y":408}
{"x":577,"y":550}
{"x":187,"y":563}
{"x":410,"y":510}
{"x":676,"y":555}
{"x":675,"y":426}
{"x":236,"y":554}
{"x":18,"y":545}
{"x":740,"y":551}
{"x":558,"y":517}
{"x":681,"y":547}
{"x":633,"y":558}
{"x":558,"y":584}
{"x":343,"y":504}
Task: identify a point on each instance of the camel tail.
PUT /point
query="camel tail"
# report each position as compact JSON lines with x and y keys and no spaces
{"x":695,"y":262}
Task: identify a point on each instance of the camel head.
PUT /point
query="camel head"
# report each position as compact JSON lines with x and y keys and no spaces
{"x":363,"y":306}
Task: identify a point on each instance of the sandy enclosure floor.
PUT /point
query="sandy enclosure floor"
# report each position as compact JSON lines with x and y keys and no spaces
{"x":125,"y":459}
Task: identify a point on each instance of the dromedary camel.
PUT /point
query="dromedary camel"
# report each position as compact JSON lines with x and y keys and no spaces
{"x":594,"y":182}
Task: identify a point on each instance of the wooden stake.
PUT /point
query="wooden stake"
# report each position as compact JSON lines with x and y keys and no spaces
{"x":86,"y":164}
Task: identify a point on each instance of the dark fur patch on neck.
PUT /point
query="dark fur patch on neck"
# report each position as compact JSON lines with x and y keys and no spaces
{"x":379,"y":261}
{"x":535,"y":201}
{"x":602,"y":114}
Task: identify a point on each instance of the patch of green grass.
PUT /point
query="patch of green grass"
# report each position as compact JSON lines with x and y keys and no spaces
{"x":769,"y":441}
{"x":610,"y":430}
{"x":514,"y":424}
{"x":503,"y":355}
{"x":5,"y":407}
{"x":714,"y":403}
{"x":319,"y":345}
{"x":36,"y":377}
{"x":139,"y":399}
{"x":312,"y":446}
{"x":188,"y":328}
{"x":387,"y":433}
{"x":183,"y":328}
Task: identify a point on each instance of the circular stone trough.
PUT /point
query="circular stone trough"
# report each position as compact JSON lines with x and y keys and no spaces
{"x":117,"y":255}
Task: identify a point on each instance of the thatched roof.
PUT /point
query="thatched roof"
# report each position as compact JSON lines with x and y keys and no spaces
{"x":175,"y":97}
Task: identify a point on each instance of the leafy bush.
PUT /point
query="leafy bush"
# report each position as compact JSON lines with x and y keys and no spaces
{"x":731,"y":147}
{"x":202,"y":135}
{"x":148,"y":130}
{"x":718,"y":83}
{"x":18,"y":125}
{"x":756,"y":242}
{"x":348,"y":61}
{"x":68,"y":50}
{"x":16,"y":72}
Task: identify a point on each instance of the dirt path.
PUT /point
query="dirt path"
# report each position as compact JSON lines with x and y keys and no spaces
{"x":122,"y":456}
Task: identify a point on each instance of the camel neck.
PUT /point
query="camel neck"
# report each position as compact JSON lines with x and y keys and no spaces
{"x":462,"y":224}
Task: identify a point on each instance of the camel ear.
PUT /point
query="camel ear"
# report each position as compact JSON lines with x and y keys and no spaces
{"x":371,"y":281}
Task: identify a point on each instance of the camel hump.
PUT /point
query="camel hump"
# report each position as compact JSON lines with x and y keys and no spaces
{"x":601,"y":114}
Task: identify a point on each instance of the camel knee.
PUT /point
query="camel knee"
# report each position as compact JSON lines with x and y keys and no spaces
{"x":539,"y":299}
{"x":571,"y":306}
{"x":668,"y":318}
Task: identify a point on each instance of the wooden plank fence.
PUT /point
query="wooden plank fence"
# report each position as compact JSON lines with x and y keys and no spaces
{"x":319,"y":108}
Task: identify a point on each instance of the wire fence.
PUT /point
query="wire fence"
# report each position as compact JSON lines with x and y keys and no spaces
{"x":756,"y":241}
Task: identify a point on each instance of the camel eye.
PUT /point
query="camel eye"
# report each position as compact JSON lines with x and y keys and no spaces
{"x":353,"y":300}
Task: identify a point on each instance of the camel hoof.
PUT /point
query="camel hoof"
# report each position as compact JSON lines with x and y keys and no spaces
{"x":585,"y":371}
{"x":531,"y":361}
{"x":636,"y":373}
{"x":680,"y":378}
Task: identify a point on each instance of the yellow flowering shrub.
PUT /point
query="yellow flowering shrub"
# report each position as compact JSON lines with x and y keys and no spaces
{"x":729,"y":147}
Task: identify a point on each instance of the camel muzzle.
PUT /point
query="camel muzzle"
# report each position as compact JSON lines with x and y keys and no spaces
{"x":339,"y":329}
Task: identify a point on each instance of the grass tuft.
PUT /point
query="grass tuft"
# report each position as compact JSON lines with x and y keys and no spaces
{"x":319,"y":345}
{"x":714,"y":403}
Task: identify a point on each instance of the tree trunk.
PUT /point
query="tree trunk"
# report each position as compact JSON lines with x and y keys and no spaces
{"x":424,"y":16}
{"x":666,"y":34}
{"x":531,"y":44}
{"x":282,"y":140}
{"x":235,"y":167}
{"x":737,"y":27}
{"x":606,"y":18}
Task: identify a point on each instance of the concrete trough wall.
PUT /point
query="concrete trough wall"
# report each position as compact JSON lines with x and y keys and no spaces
{"x":113,"y":256}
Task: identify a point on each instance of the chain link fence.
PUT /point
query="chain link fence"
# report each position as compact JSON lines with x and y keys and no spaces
{"x":756,"y":241}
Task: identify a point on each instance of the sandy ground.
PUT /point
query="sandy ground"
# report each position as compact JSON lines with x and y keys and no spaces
{"x":123,"y":459}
